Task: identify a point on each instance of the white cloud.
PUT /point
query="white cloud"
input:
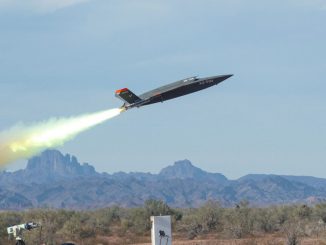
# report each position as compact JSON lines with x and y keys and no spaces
{"x":41,"y":6}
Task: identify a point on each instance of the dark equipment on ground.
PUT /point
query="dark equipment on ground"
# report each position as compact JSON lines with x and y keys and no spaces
{"x":163,"y":236}
{"x":167,"y":92}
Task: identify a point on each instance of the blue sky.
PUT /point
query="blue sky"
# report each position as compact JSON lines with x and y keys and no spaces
{"x":67,"y":57}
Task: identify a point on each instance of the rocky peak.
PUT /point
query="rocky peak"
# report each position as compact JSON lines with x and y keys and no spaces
{"x":185,"y":170}
{"x":53,"y":163}
{"x":181,"y":170}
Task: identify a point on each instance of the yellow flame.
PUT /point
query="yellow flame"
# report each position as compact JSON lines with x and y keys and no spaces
{"x":26,"y":141}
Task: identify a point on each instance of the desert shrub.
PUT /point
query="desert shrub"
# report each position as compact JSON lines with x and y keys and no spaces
{"x":10,"y":218}
{"x":265,"y":220}
{"x":240,"y":220}
{"x":157,"y":207}
{"x":80,"y":226}
{"x":205,"y":219}
{"x":138,"y":221}
{"x":139,"y":218}
{"x":210,"y":216}
{"x":85,"y":227}
{"x":282,"y":214}
{"x":105,"y":218}
{"x":292,"y":233}
{"x":190,"y":224}
{"x":320,"y":212}
{"x":303,"y":212}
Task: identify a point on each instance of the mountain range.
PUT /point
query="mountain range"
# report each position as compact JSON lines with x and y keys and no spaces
{"x":59,"y":181}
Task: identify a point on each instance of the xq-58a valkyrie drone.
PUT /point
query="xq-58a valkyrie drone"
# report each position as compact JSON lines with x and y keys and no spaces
{"x":167,"y":92}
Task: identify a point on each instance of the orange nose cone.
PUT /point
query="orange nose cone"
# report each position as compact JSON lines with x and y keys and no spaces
{"x":120,"y":90}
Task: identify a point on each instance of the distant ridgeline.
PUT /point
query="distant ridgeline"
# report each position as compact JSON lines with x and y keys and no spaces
{"x":58,"y":181}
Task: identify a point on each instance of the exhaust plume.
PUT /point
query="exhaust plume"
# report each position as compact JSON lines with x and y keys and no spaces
{"x":23,"y":141}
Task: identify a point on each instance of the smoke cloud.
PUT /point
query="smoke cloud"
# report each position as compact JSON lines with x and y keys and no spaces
{"x":24,"y":141}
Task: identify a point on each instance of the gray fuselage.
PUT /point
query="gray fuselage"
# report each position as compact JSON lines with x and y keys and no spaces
{"x":179,"y":88}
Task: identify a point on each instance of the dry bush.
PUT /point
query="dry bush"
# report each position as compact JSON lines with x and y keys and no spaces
{"x":295,"y":223}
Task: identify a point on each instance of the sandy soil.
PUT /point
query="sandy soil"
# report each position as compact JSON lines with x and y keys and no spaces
{"x":268,"y":240}
{"x":257,"y":241}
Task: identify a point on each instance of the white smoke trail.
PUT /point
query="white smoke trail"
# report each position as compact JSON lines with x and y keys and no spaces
{"x":23,"y":141}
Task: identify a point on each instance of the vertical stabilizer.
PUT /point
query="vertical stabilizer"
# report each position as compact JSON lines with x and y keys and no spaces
{"x":127,"y":96}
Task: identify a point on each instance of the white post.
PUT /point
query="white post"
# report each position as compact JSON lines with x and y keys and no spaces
{"x":161,"y":230}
